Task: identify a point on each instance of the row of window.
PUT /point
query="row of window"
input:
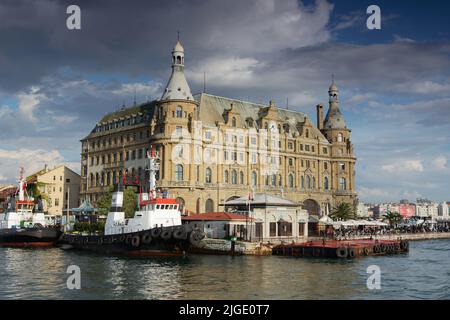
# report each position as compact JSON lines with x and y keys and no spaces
{"x":122,"y":123}
{"x":306,"y":182}
{"x":112,"y":158}
{"x":119,"y":140}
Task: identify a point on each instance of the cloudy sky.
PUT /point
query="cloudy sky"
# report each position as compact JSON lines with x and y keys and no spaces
{"x":56,"y":83}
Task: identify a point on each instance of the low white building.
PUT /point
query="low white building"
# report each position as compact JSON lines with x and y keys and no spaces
{"x":221,"y":225}
{"x":276,"y":219}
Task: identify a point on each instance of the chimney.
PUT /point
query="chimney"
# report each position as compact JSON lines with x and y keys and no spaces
{"x":319,"y":108}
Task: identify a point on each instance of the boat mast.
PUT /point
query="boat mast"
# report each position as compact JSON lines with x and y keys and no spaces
{"x":153,"y":168}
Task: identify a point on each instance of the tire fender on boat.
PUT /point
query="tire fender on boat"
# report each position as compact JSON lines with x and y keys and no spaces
{"x":351,"y":253}
{"x":136,"y":241}
{"x":341,"y":252}
{"x":156,"y":232}
{"x":146,"y":238}
{"x":166,"y":234}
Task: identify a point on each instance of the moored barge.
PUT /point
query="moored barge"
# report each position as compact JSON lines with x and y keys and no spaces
{"x":341,"y":249}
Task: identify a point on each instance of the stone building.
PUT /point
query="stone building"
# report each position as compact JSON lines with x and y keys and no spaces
{"x":214,"y":149}
{"x":61,"y":186}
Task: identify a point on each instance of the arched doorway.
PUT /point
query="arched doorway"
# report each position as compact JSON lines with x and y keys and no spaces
{"x":312,"y":207}
{"x":209,"y":206}
{"x":229,"y":199}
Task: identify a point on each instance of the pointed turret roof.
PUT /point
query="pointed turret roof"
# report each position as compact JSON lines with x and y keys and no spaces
{"x":334,"y":118}
{"x":177,"y":86}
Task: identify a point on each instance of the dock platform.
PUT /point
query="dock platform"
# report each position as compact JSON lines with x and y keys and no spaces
{"x":341,"y":249}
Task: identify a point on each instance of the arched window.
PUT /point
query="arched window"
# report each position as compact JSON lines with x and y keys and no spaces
{"x":279,"y":180}
{"x":108,"y":178}
{"x":342,"y":184}
{"x":92,"y":180}
{"x":97,"y":178}
{"x":254,"y":178}
{"x":179,"y":112}
{"x":274,"y":180}
{"x":208,"y":175}
{"x":308,"y":182}
{"x":325,"y":183}
{"x":340,"y":137}
{"x":302,"y":182}
{"x":225,"y":176}
{"x":233,"y":177}
{"x":178,"y":59}
{"x":291,"y":181}
{"x":307,"y":133}
{"x":178,"y":172}
{"x":233,"y":122}
{"x":209,"y":206}
{"x":241,"y":177}
{"x":114,"y":176}
{"x":314,"y":182}
{"x":267,"y":180}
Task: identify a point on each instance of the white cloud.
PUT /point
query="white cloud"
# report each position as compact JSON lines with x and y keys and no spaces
{"x":3,"y":178}
{"x":223,"y":71}
{"x":28,"y":103}
{"x":31,"y":160}
{"x":404,"y":165}
{"x":439,"y":163}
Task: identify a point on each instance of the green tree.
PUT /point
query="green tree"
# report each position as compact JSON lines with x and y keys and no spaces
{"x":343,"y":211}
{"x":392,"y":217}
{"x":129,"y":202}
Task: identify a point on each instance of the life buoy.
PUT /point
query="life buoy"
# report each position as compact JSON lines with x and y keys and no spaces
{"x":135,"y":241}
{"x":180,"y":234}
{"x":351,"y":253}
{"x":166,"y":234}
{"x":146,"y":238}
{"x":156,"y":232}
{"x":341,"y":252}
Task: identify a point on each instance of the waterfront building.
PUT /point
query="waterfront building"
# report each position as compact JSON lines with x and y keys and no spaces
{"x":221,"y":225}
{"x":214,"y":149}
{"x":426,"y":209}
{"x":275,"y":218}
{"x":6,"y":191}
{"x":61,"y":189}
{"x":407,"y":210}
{"x":443,"y":211}
{"x":362,"y":210}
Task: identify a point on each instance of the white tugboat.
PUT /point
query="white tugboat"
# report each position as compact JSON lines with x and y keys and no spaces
{"x":155,"y":229}
{"x":20,"y":226}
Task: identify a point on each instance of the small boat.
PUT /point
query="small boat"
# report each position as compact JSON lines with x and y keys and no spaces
{"x":24,"y":224}
{"x":155,"y":229}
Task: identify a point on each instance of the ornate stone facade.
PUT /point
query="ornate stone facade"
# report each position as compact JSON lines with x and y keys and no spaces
{"x":213,"y":149}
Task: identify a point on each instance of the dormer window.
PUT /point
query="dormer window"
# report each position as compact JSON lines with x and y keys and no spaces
{"x":233,"y":122}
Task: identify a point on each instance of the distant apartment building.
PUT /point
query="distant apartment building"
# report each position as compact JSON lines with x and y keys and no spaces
{"x":407,"y":210}
{"x":426,"y":209}
{"x":362,"y":210}
{"x":443,"y":211}
{"x":61,"y":187}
